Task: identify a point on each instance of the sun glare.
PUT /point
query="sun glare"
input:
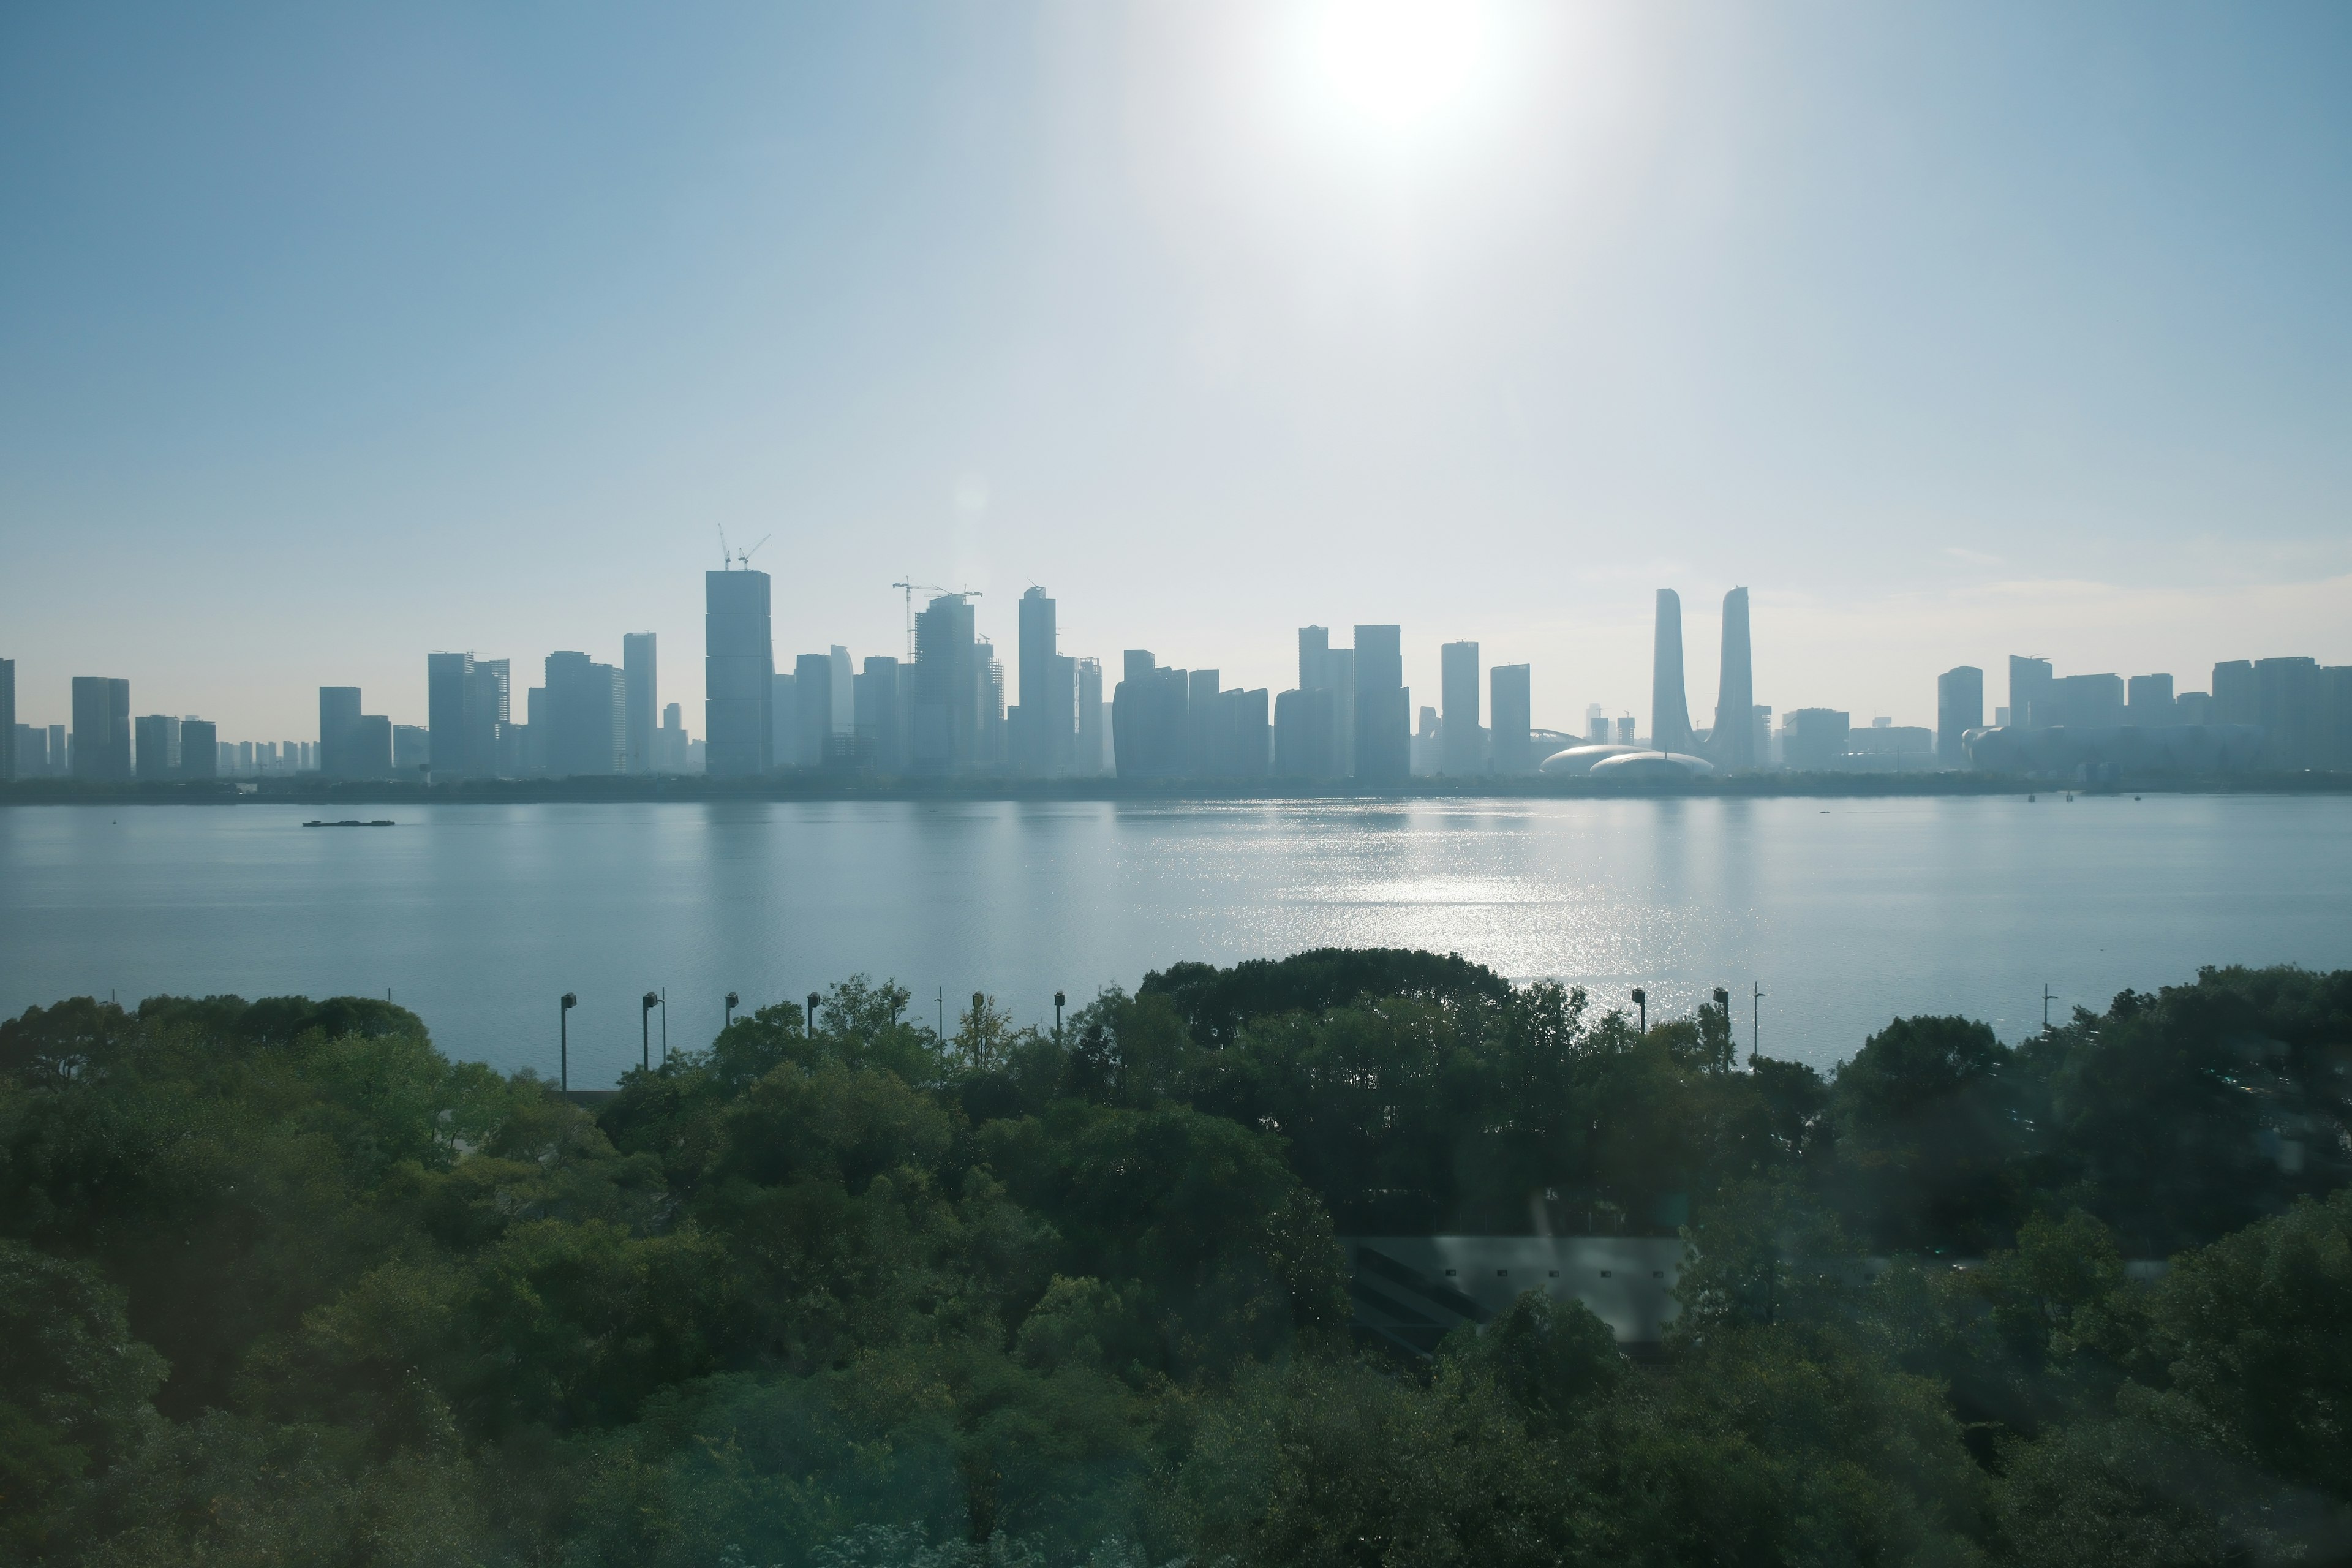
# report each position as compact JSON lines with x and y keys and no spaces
{"x":1399,"y":68}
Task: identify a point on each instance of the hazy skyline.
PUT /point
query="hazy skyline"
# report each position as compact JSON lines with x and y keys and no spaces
{"x":330,"y":338}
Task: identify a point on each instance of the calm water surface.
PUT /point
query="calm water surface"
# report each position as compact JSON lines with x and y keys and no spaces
{"x":1846,"y":912}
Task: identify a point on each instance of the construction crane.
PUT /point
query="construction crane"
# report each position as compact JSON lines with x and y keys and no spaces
{"x":730,"y":560}
{"x":913,"y":588}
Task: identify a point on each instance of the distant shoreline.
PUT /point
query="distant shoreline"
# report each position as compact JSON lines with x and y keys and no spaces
{"x":815,"y":786}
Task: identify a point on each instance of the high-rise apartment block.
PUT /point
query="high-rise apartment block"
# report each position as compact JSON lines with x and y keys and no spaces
{"x":101,"y":728}
{"x":1959,"y":708}
{"x":199,"y":749}
{"x":2147,"y":700}
{"x":9,"y":744}
{"x":2236,"y":700}
{"x":739,"y":671}
{"x":1151,"y":718}
{"x":2287,"y":707}
{"x":155,"y":746}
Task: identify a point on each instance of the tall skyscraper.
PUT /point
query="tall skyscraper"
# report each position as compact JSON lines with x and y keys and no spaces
{"x":669,"y":741}
{"x":1303,"y":733}
{"x":1044,"y":740}
{"x":1733,"y":740}
{"x":881,"y":717}
{"x":1511,"y":719}
{"x":1202,"y":723}
{"x":2030,"y":694}
{"x":60,"y":753}
{"x":101,"y":728}
{"x":845,"y":691}
{"x":587,"y":710}
{"x":1383,"y":706}
{"x":490,"y":716}
{"x":199,"y":749}
{"x":637,"y":731}
{"x":449,"y":705}
{"x":738,"y":671}
{"x":371,"y":747}
{"x":785,"y":716}
{"x":811,"y":708}
{"x":7,"y":718}
{"x":957,"y":705}
{"x":1090,"y":758}
{"x":1314,"y":657}
{"x":1959,"y":708}
{"x":155,"y":746}
{"x":1462,"y":745}
{"x":339,"y":723}
{"x":1670,"y":725}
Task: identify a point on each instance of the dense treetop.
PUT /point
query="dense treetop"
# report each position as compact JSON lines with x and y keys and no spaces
{"x":279,"y":1283}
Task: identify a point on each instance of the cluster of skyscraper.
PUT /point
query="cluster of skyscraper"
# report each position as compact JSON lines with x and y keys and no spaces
{"x":2276,"y":714}
{"x":105,"y":742}
{"x":587,"y":719}
{"x":944,"y":711}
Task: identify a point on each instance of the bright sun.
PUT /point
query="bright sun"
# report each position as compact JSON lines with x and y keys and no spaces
{"x":1398,"y":67}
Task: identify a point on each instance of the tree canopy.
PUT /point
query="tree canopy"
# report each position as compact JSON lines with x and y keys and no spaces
{"x":281,"y":1283}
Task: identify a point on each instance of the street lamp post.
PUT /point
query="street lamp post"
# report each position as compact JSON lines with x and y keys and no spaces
{"x":563,"y":1040}
{"x":1059,"y":1000}
{"x":1642,"y":1000}
{"x":731,"y":1000}
{"x":811,"y":1021}
{"x":645,"y":1030}
{"x":1755,"y":1021}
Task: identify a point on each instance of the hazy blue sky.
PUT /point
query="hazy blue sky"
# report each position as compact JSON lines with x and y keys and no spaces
{"x":332,"y":334}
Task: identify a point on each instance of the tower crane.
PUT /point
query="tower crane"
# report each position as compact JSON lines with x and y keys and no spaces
{"x":730,"y":560}
{"x":911,"y":589}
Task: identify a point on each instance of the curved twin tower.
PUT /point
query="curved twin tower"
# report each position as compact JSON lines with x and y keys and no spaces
{"x":1732,"y":744}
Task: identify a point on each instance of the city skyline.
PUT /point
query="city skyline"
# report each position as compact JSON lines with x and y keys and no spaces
{"x":1130,"y":304}
{"x":957,"y":708}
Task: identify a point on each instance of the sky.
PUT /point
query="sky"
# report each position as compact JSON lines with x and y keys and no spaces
{"x":333,"y":335}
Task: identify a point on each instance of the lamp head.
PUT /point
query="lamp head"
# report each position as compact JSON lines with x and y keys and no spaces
{"x":650,"y":1002}
{"x":1640,"y":995}
{"x":1059,"y":999}
{"x":570,"y":1001}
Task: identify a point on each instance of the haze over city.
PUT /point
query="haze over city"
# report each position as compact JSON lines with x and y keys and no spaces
{"x":334,"y":337}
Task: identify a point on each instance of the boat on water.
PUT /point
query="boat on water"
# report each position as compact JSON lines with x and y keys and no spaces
{"x":352,"y":822}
